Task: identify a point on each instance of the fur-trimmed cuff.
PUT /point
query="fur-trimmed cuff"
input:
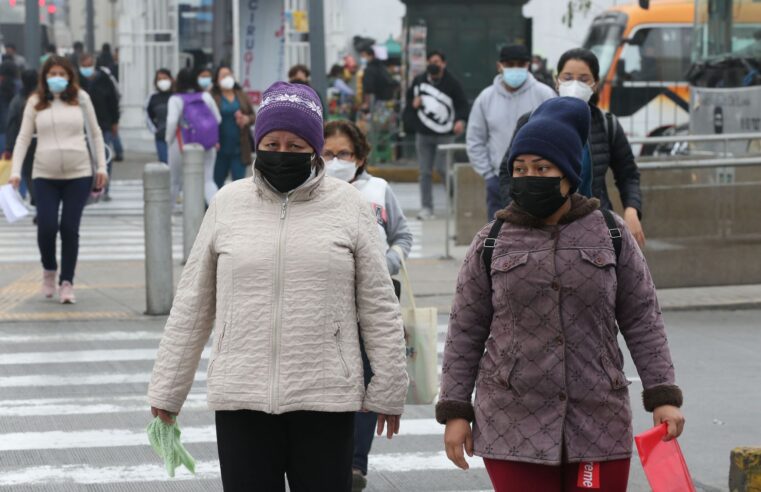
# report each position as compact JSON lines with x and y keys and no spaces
{"x":665,"y":394}
{"x":453,"y":409}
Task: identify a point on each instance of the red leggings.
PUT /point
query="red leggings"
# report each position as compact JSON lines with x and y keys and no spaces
{"x":510,"y":476}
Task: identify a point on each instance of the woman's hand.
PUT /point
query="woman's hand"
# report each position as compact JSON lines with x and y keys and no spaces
{"x":14,"y":181}
{"x":631,"y":217}
{"x":101,"y":178}
{"x":165,"y":416}
{"x":241,"y":119}
{"x":458,"y":435}
{"x":391,"y":422}
{"x":672,"y":416}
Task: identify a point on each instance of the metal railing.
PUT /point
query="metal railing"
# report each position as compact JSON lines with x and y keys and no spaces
{"x":672,"y":162}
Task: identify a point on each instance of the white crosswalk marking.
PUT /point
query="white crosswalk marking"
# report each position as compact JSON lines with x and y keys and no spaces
{"x":97,"y":439}
{"x":112,"y":231}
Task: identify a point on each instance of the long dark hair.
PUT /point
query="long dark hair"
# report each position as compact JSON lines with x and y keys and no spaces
{"x":590,"y":59}
{"x":186,"y":81}
{"x":215,"y":88}
{"x":70,"y":95}
{"x":351,"y":131}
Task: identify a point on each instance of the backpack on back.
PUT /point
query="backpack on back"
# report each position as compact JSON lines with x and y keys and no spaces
{"x":198,"y":124}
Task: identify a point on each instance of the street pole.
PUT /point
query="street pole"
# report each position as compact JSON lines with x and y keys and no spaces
{"x":317,"y":48}
{"x":193,"y":201}
{"x":32,"y":35}
{"x":157,"y":223}
{"x":90,"y":26}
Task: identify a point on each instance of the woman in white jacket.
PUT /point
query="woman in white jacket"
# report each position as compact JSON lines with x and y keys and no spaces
{"x":283,"y":267}
{"x":186,"y":83}
{"x":63,"y":118}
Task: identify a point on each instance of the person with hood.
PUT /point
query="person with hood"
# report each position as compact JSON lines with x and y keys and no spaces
{"x":495,"y":114}
{"x":440,"y":111}
{"x":608,"y":147}
{"x":105,"y":99}
{"x":345,"y":154}
{"x":284,"y":266}
{"x":540,"y":300}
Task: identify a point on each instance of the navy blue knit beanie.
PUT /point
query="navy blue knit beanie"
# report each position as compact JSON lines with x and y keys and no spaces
{"x":557,"y":130}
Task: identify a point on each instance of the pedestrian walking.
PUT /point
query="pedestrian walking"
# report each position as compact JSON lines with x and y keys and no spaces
{"x":377,"y":83}
{"x":105,"y":99}
{"x":192,"y":107}
{"x":11,"y":54}
{"x":205,"y":78}
{"x":156,"y":109}
{"x":78,"y":49}
{"x":495,"y":113}
{"x":234,"y":153}
{"x":534,"y":324}
{"x":64,"y":120}
{"x":345,"y":154}
{"x":608,"y":147}
{"x":283,"y":267}
{"x":440,"y":109}
{"x":106,"y":58}
{"x":9,"y":87}
{"x":29,"y":81}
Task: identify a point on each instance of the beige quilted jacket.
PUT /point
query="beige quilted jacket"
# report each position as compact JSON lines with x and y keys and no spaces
{"x":284,"y":282}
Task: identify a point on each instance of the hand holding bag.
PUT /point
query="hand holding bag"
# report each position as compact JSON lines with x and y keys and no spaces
{"x":663,"y":461}
{"x":421,"y":331}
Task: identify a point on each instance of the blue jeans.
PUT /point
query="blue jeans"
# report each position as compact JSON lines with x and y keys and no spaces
{"x":118,"y":148}
{"x":228,"y":164}
{"x":49,"y":194}
{"x":364,"y":422}
{"x":162,"y":150}
{"x":108,"y":139}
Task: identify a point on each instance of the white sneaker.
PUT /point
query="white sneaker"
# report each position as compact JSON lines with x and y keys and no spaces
{"x":425,"y":214}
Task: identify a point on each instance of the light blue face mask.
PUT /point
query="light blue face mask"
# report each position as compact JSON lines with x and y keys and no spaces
{"x":87,"y":72}
{"x":57,"y":84}
{"x":514,"y":77}
{"x":204,"y":82}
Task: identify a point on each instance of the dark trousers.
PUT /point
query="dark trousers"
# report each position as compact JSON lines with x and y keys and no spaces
{"x":256,"y":450}
{"x":227,"y":164}
{"x":511,"y":476}
{"x":49,"y":195}
{"x":162,"y":150}
{"x":108,"y":139}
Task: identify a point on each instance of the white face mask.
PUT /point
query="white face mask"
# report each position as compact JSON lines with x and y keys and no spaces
{"x":574,"y":88}
{"x":164,"y":85}
{"x":343,"y":170}
{"x":227,"y":83}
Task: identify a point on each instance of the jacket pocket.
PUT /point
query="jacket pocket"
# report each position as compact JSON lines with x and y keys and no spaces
{"x":217,"y":349}
{"x":339,"y":350}
{"x":509,"y":261}
{"x":615,"y":375}
{"x":501,"y":376}
{"x":601,"y":258}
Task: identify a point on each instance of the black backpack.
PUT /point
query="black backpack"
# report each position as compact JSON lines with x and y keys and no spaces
{"x":491,"y":240}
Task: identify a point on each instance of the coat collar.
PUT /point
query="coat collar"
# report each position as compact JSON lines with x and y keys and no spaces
{"x":581,"y":206}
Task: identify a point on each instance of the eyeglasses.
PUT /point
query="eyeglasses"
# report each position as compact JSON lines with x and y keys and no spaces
{"x":344,"y":155}
{"x":584,"y":79}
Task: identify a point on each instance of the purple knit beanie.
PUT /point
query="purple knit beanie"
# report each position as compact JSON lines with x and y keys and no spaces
{"x":294,"y":108}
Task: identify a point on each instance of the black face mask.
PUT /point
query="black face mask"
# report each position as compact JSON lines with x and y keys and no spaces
{"x":285,"y":171}
{"x":433,"y":70}
{"x":540,"y":197}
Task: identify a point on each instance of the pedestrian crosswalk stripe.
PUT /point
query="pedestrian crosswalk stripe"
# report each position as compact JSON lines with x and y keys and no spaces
{"x":87,"y":474}
{"x":83,"y":405}
{"x":80,"y":379}
{"x":78,"y":356}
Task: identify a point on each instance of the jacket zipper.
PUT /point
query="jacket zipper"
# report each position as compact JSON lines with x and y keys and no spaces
{"x":277,"y":320}
{"x":337,"y":336}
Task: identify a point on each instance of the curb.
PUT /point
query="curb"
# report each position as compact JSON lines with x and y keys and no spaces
{"x":719,"y":306}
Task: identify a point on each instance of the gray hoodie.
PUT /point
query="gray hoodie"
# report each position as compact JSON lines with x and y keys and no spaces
{"x":493,"y":119}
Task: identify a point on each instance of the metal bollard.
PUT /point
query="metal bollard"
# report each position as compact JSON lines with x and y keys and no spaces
{"x":157,"y":221}
{"x":193,"y":202}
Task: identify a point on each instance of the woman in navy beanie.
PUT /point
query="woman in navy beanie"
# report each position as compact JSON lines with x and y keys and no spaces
{"x":284,"y":266}
{"x":540,"y":299}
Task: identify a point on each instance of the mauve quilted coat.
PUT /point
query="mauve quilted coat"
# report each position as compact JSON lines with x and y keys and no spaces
{"x":540,"y":345}
{"x":284,"y":284}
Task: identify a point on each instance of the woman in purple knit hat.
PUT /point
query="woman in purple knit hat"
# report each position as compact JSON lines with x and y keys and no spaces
{"x":284,"y":265}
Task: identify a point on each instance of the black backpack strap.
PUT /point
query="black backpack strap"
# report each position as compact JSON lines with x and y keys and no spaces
{"x":611,"y":126}
{"x":489,"y":244}
{"x":613,"y":230}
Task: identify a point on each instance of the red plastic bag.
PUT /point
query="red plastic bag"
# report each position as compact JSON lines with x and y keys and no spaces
{"x":663,"y":461}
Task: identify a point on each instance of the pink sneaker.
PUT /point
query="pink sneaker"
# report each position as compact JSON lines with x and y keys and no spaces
{"x":66,"y":293}
{"x":48,"y":283}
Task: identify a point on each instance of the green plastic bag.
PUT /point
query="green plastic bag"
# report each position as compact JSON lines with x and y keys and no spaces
{"x":165,"y":440}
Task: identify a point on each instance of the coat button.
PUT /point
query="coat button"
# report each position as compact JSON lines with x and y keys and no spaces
{"x":555,"y":285}
{"x":598,"y":261}
{"x":562,"y":396}
{"x":559,"y":340}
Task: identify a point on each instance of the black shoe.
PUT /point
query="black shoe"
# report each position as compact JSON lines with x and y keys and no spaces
{"x":358,"y":481}
{"x":119,"y":158}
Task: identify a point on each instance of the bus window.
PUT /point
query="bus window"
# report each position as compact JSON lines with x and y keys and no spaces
{"x":658,"y":54}
{"x":603,"y":41}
